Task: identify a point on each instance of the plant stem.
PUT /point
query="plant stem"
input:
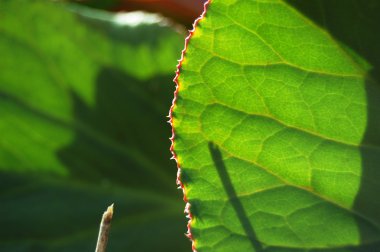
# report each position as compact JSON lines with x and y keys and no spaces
{"x":104,"y":229}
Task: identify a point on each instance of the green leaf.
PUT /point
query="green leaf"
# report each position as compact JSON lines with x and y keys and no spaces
{"x":277,"y":125}
{"x":83,"y":105}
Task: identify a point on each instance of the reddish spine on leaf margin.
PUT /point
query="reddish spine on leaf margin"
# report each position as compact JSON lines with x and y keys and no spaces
{"x":177,"y":73}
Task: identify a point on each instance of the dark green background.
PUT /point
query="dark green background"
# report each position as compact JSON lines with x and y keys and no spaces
{"x":83,"y":106}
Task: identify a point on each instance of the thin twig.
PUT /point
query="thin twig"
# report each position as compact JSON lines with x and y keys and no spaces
{"x":104,"y":230}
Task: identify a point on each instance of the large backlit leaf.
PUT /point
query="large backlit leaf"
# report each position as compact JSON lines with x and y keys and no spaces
{"x":83,"y":105}
{"x":277,"y":127}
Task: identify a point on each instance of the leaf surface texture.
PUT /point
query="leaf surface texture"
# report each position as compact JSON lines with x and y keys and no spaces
{"x":277,"y":132}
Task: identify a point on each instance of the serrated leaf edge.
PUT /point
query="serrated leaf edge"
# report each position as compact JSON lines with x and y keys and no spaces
{"x":187,"y":210}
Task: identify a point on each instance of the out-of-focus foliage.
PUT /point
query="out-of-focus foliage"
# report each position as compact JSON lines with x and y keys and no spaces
{"x":182,"y":11}
{"x":82,"y":120}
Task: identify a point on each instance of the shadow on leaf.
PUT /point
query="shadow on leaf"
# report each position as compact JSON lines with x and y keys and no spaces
{"x":356,"y":25}
{"x":120,"y":142}
{"x":121,"y":139}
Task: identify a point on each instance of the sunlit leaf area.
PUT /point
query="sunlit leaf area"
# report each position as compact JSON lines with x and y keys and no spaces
{"x":256,"y":131}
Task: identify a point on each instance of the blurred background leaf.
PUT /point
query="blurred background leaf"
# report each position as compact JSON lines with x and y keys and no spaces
{"x":83,"y":100}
